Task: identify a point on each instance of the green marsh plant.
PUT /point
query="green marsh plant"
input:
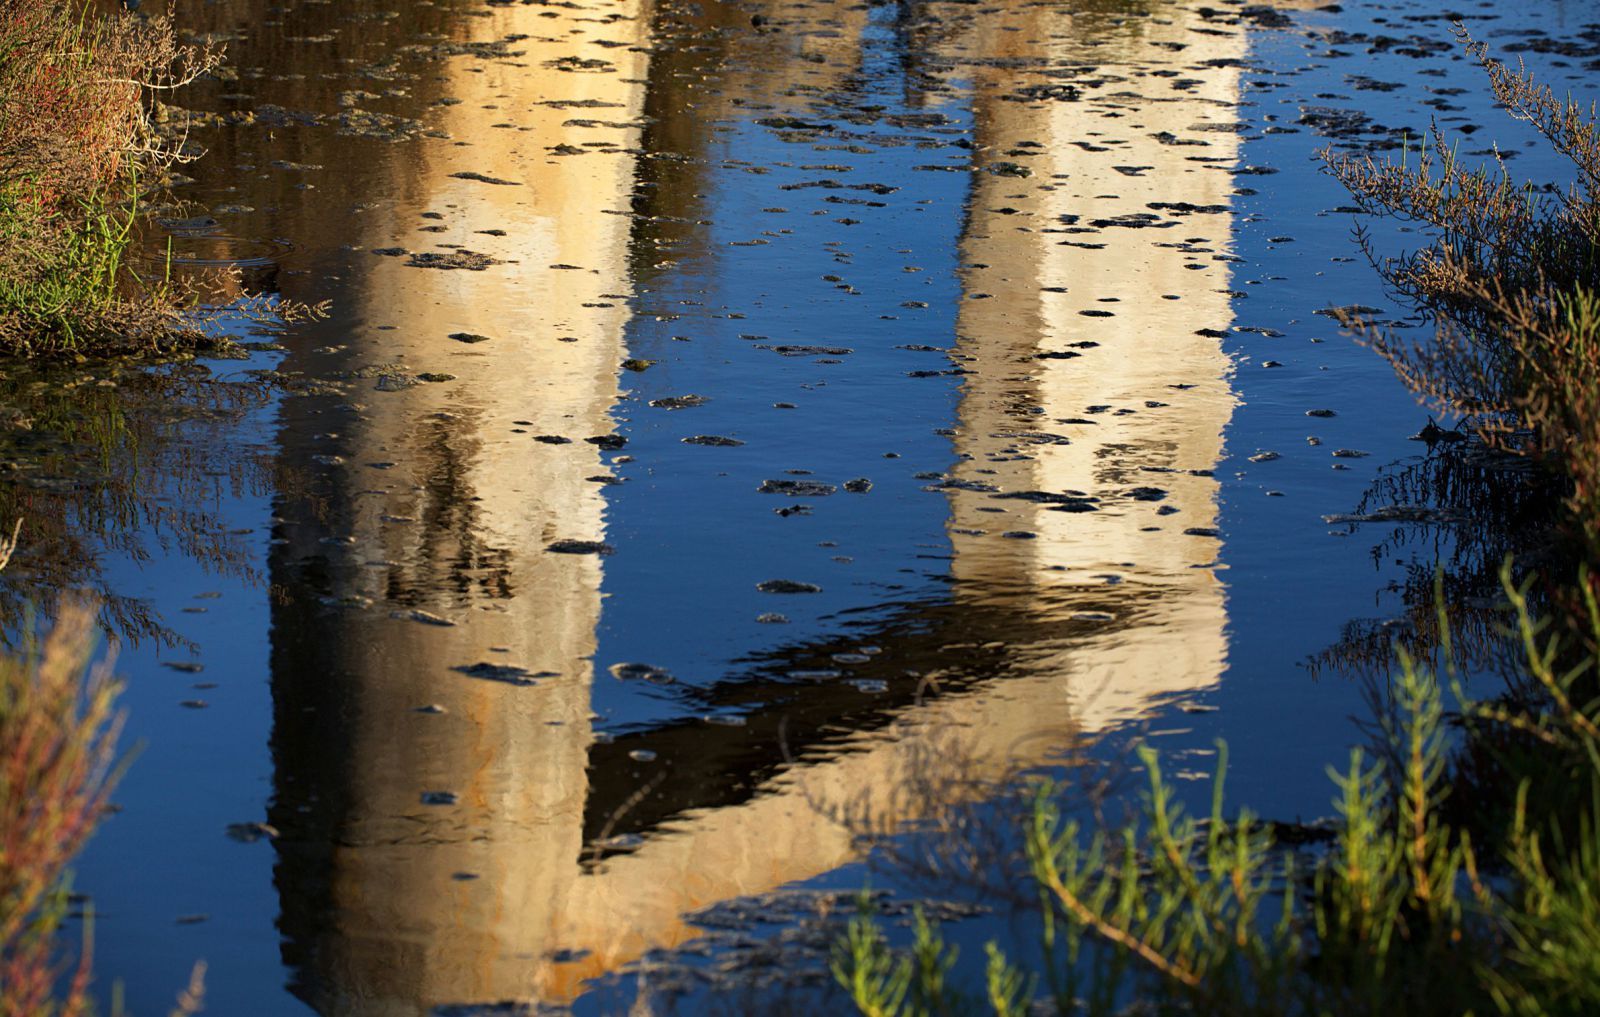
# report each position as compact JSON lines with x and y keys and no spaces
{"x":1399,"y":910}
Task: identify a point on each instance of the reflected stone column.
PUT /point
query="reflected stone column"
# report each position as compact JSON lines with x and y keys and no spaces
{"x":1093,"y":259}
{"x":431,"y":654}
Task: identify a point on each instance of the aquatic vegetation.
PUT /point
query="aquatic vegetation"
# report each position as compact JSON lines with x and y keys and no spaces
{"x":76,"y":151}
{"x":58,"y":731}
{"x":1511,"y":282}
{"x":909,"y":259}
{"x":59,"y":725}
{"x":1395,"y":908}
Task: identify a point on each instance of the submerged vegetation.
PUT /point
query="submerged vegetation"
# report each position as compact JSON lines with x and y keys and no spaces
{"x":76,"y":153}
{"x":1459,"y":874}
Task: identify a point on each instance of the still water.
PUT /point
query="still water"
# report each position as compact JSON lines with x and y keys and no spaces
{"x":719,"y":405}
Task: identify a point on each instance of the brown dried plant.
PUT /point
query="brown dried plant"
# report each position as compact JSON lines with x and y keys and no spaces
{"x":73,"y":91}
{"x":59,"y":725}
{"x":58,"y":730}
{"x":1511,"y":283}
{"x":77,"y":148}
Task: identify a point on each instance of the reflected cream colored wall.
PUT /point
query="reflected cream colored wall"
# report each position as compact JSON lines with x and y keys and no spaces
{"x":806,"y":49}
{"x":1017,"y":247}
{"x":458,"y":526}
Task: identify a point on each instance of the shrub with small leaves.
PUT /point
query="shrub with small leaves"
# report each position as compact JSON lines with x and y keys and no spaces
{"x":1397,"y":914}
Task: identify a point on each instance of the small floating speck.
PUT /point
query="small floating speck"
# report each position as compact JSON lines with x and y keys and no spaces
{"x":816,"y":675}
{"x":510,"y":674}
{"x":580,"y":547}
{"x":249,"y":833}
{"x":621,"y":842}
{"x":416,"y":614}
{"x":787,"y":586}
{"x":634,"y":671}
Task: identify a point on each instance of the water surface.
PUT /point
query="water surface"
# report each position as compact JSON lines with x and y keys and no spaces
{"x":722,"y":407}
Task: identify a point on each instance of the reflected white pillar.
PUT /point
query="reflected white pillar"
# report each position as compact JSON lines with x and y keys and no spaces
{"x":1086,"y":286}
{"x":446,"y":505}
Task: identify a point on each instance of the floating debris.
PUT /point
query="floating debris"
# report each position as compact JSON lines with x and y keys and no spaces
{"x":249,"y":833}
{"x":634,"y":671}
{"x":482,"y":179}
{"x":421,"y":616}
{"x":510,"y":674}
{"x":787,"y":586}
{"x":580,"y":547}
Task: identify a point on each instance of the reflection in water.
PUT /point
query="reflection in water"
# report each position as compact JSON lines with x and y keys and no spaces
{"x":1093,"y":412}
{"x":955,"y":276}
{"x":438,"y":780}
{"x":1451,"y":519}
{"x":120,"y":464}
{"x":453,"y":830}
{"x":1077,"y":606}
{"x":432,"y":663}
